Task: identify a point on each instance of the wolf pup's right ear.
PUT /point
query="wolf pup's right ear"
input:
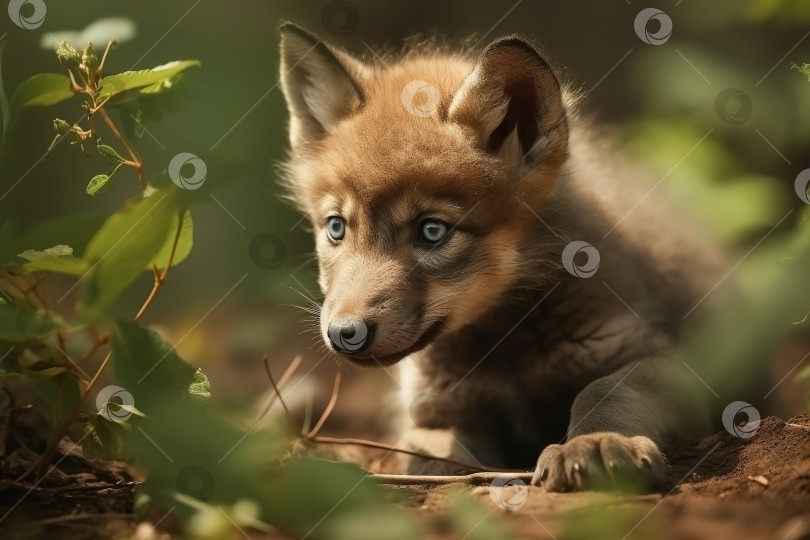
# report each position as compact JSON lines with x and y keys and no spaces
{"x":319,"y":83}
{"x":512,"y":102}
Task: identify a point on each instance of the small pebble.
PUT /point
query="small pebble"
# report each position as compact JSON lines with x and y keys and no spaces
{"x":759,"y":479}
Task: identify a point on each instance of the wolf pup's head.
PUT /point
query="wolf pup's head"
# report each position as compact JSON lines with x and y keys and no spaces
{"x":421,"y":176}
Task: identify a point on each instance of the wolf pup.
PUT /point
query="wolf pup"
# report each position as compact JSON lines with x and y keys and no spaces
{"x":471,"y":225}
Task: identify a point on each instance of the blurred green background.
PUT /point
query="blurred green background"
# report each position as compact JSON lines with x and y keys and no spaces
{"x":659,"y":100}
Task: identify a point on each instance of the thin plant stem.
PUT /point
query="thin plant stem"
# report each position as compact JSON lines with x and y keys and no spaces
{"x":136,"y":162}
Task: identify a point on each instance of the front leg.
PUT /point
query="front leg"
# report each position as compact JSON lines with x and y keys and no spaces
{"x":619,"y":424}
{"x":444,"y":443}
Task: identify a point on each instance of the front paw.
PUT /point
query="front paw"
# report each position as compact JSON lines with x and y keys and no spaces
{"x":602,"y":461}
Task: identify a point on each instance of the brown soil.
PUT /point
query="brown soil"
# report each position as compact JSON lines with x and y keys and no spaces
{"x":719,"y":488}
{"x":78,"y":498}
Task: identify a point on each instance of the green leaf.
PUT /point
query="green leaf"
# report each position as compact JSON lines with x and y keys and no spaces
{"x":59,"y":250}
{"x":159,"y":87}
{"x":5,"y":108}
{"x":100,"y":182}
{"x":184,"y":244}
{"x":109,"y":153}
{"x":339,"y":507}
{"x":150,"y":369}
{"x":200,"y":387}
{"x":61,"y":392}
{"x":123,"y":247}
{"x":371,"y":523}
{"x":128,"y":80}
{"x":74,"y":231}
{"x":21,"y":322}
{"x":58,"y":259}
{"x":97,"y":184}
{"x":212,"y":461}
{"x":53,"y":384}
{"x":804,"y":69}
{"x":136,"y":109}
{"x":61,"y":265}
{"x":44,"y":373}
{"x":468,"y":519}
{"x":40,"y":90}
{"x":104,"y":439}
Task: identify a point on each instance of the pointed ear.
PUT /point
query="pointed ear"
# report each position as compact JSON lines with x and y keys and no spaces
{"x":512,"y":103}
{"x":319,"y":82}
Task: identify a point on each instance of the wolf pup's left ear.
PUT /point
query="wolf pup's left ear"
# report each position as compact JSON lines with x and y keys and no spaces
{"x":319,"y":83}
{"x":512,"y":102}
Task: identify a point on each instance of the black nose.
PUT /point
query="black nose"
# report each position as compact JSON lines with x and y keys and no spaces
{"x":349,"y":333}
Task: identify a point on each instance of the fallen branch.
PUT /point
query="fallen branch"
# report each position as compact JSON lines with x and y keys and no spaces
{"x":276,"y":389}
{"x":281,"y":382}
{"x":475,"y":479}
{"x":392,"y":448}
{"x":99,"y":486}
{"x":328,"y":411}
{"x":72,"y":517}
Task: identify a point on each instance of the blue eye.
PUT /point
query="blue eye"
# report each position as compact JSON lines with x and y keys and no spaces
{"x":433,"y":231}
{"x":335,"y":228}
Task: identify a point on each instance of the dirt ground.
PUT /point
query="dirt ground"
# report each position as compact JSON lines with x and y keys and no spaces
{"x":723,"y":487}
{"x":720,"y":488}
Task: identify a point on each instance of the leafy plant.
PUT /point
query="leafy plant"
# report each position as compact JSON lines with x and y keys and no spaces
{"x":213,"y":475}
{"x":104,"y":254}
{"x":803,"y":69}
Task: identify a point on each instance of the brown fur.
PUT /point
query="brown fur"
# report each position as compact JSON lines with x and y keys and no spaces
{"x":510,"y":347}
